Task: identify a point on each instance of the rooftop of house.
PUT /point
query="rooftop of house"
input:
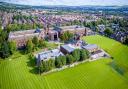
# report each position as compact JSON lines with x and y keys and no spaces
{"x":97,"y":52}
{"x":101,"y":25}
{"x":68,"y":47}
{"x":90,"y":46}
{"x":49,"y":54}
{"x":37,"y":30}
{"x":114,"y":24}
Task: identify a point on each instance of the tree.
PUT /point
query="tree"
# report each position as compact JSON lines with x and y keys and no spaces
{"x":66,"y":36}
{"x":84,"y":54}
{"x":34,"y":26}
{"x":8,"y":28}
{"x":89,"y":24}
{"x":101,"y":21}
{"x":4,"y":47}
{"x":76,"y":54}
{"x":69,"y":59}
{"x":63,"y":60}
{"x":58,"y":63}
{"x":47,"y":65}
{"x":29,"y":46}
{"x":108,"y":31}
{"x":42,"y":43}
{"x":4,"y":50}
{"x":84,"y":23}
{"x":51,"y":63}
{"x":3,"y":36}
{"x":123,"y":23}
{"x":126,"y":41}
{"x":35,"y":41}
{"x":97,"y":29}
{"x":12,"y":47}
{"x":76,"y":22}
{"x":43,"y":66}
{"x":94,"y":23}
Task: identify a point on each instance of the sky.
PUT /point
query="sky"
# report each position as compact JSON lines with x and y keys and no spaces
{"x":69,"y":2}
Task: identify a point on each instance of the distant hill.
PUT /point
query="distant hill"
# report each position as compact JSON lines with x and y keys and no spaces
{"x":64,"y":7}
{"x":13,"y":6}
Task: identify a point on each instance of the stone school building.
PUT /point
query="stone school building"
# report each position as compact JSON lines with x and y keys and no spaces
{"x":53,"y":34}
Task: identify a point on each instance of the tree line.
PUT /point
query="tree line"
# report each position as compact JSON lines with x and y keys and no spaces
{"x":34,"y":44}
{"x":6,"y":48}
{"x":76,"y":56}
{"x":66,"y":36}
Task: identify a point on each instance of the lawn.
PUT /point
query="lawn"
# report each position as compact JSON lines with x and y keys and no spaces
{"x":114,"y":48}
{"x":19,"y":73}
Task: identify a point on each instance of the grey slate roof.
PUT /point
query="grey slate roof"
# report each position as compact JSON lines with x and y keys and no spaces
{"x":68,"y":48}
{"x":90,"y":46}
{"x":49,"y":54}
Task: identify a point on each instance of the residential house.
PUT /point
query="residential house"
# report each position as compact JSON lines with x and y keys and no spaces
{"x":97,"y":54}
{"x":67,"y":49}
{"x":95,"y":51}
{"x":101,"y":28}
{"x":91,"y":47}
{"x":50,"y":54}
{"x":115,"y":26}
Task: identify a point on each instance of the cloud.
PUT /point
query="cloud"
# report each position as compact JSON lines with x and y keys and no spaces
{"x":69,"y":2}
